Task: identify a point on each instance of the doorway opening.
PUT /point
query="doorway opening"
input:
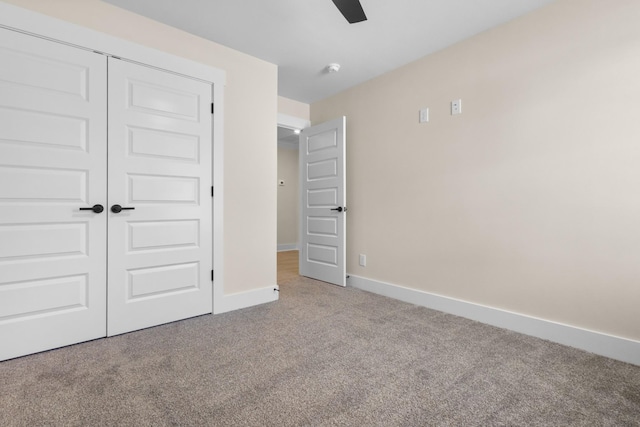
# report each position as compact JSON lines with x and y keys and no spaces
{"x":288,"y":203}
{"x":312,"y":211}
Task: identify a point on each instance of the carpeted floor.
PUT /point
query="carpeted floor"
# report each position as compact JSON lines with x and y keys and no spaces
{"x":321,"y":356}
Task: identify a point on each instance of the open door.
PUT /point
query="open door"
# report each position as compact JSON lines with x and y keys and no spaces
{"x":323,"y":196}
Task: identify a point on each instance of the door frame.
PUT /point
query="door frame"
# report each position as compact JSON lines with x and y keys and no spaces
{"x":43,"y":26}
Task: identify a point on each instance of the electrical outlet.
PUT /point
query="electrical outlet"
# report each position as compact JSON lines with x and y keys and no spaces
{"x":363,"y":260}
{"x":424,"y":115}
{"x":456,"y":107}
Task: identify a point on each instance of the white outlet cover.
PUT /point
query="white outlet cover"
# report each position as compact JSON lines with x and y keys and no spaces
{"x":456,"y":107}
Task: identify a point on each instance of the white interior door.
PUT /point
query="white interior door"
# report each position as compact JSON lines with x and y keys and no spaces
{"x":52,"y":163}
{"x":160,"y":250}
{"x":322,"y":184}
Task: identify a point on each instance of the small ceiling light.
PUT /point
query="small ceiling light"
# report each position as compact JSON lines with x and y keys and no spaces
{"x":333,"y":68}
{"x":296,"y":131}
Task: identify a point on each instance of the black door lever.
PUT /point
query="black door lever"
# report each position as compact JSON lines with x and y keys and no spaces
{"x":118,"y":209}
{"x":94,"y":208}
{"x":339,"y":209}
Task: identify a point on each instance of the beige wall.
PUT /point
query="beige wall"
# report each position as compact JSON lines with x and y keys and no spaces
{"x":294,"y":108}
{"x":288,"y":196}
{"x":250,"y":155}
{"x":530,"y":200}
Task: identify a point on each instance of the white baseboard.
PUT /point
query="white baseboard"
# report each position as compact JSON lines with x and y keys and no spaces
{"x":246,"y":299}
{"x":288,"y":247}
{"x":595,"y":342}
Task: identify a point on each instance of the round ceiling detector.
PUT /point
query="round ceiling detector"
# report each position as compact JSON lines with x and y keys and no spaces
{"x":333,"y":68}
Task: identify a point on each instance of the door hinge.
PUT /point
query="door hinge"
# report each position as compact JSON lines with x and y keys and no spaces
{"x":212,"y":275}
{"x":212,"y":108}
{"x":212,"y":191}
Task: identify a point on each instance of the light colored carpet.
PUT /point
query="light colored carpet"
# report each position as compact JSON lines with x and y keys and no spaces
{"x":321,"y":356}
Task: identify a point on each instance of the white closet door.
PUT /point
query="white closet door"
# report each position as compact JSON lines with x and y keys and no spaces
{"x":52,"y":163}
{"x":160,"y":251}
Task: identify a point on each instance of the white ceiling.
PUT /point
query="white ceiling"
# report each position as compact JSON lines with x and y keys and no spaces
{"x":303,"y":36}
{"x":287,"y":135}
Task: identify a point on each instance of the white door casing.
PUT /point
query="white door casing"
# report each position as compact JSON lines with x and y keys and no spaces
{"x":323,"y":199}
{"x":160,"y":252}
{"x":52,"y":163}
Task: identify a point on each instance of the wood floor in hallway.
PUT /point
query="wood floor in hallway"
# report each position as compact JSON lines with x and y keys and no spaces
{"x":287,"y":266}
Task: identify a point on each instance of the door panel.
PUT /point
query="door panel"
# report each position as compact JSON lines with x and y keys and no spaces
{"x":62,"y":240}
{"x":322,"y":175}
{"x":160,"y":253}
{"x":149,"y":143}
{"x":42,"y":184}
{"x":52,"y":162}
{"x":163,"y":235}
{"x":154,"y":189}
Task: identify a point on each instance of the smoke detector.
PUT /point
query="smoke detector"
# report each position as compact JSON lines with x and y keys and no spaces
{"x":333,"y":68}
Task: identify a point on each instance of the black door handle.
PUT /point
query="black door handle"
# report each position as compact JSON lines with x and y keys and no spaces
{"x":94,"y":208}
{"x":118,"y":209}
{"x":339,"y":209}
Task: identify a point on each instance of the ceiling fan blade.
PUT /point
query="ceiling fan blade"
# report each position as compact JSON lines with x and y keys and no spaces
{"x":351,"y":9}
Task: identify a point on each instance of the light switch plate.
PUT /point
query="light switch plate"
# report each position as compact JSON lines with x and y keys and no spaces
{"x":424,"y":115}
{"x":456,"y":107}
{"x":363,"y":260}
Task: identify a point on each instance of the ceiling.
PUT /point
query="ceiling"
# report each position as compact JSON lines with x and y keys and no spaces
{"x":287,"y":135}
{"x":303,"y":36}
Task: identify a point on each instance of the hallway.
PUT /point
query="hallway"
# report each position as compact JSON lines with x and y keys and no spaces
{"x":287,"y":266}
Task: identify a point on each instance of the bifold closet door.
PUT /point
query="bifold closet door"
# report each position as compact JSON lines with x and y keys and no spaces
{"x":52,"y":164}
{"x":160,"y":242}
